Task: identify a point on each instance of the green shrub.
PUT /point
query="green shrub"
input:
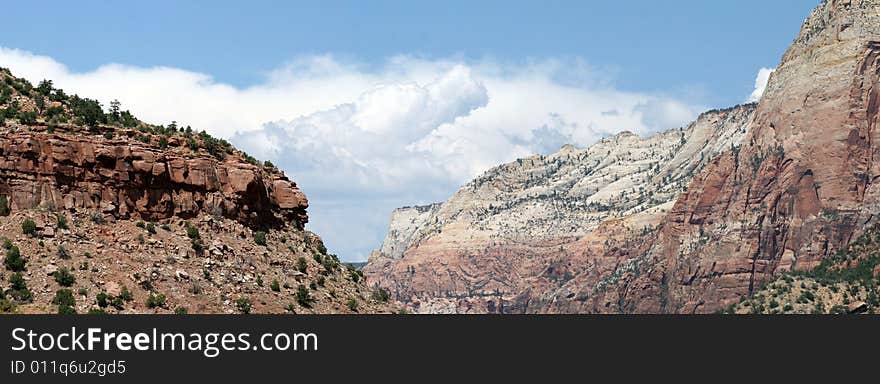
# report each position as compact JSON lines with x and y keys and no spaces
{"x":275,"y":286}
{"x":139,"y":224}
{"x":192,"y":232}
{"x":381,"y":295}
{"x":302,"y":264}
{"x":66,"y":310}
{"x":303,"y":297}
{"x":352,"y":304}
{"x":27,"y":118}
{"x":181,"y":310}
{"x":4,"y":205}
{"x":260,"y":238}
{"x":14,"y":261}
{"x":322,"y":248}
{"x":64,"y":278}
{"x":156,"y":301}
{"x":103,"y":299}
{"x":151,"y":228}
{"x":61,"y":221}
{"x":125,"y":294}
{"x":19,"y":289}
{"x":6,"y":306}
{"x":64,"y":298}
{"x":243,"y":304}
{"x":96,"y":311}
{"x":28,"y":227}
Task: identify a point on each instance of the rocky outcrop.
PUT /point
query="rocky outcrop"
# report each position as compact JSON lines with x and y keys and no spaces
{"x":123,"y":178}
{"x":404,"y":229}
{"x":519,"y":226}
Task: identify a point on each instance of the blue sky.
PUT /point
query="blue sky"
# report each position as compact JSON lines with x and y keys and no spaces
{"x":379,"y":104}
{"x":711,"y":47}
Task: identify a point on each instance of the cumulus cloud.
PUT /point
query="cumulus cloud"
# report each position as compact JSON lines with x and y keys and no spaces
{"x":760,"y":84}
{"x":361,"y":140}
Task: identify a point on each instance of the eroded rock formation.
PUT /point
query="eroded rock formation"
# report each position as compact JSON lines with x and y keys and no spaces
{"x":123,"y":178}
{"x":520,"y":227}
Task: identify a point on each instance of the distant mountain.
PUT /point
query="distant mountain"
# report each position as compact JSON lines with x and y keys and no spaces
{"x":517,"y":227}
{"x":706,"y":219}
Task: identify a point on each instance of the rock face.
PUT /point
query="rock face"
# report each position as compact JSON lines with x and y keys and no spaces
{"x":800,"y":186}
{"x":405,"y":227}
{"x":123,"y":178}
{"x":513,"y":228}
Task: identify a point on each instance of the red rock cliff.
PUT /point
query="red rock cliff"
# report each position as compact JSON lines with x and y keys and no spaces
{"x":123,"y":178}
{"x":802,"y":185}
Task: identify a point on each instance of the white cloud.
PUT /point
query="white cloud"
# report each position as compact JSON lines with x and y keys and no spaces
{"x":760,"y":84}
{"x":361,"y":140}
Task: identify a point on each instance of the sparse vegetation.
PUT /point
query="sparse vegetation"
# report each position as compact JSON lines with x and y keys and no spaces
{"x":156,"y":301}
{"x":243,"y":305}
{"x":18,"y":289}
{"x":352,"y":304}
{"x":381,"y":295}
{"x":29,"y":227}
{"x":14,"y":261}
{"x":61,"y":221}
{"x":260,"y":238}
{"x":304,"y":297}
{"x":65,"y":301}
{"x":64,"y":278}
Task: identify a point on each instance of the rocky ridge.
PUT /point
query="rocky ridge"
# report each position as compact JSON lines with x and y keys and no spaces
{"x":116,"y":215}
{"x":518,"y":213}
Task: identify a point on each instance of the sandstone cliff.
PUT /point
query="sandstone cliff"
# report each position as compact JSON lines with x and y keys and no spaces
{"x":513,"y":228}
{"x":131,"y":217}
{"x":798,"y":189}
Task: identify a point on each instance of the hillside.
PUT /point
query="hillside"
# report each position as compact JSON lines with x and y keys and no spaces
{"x":102,"y":212}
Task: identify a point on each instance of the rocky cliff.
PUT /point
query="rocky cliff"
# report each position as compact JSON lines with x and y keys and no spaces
{"x":514,"y":228}
{"x":125,"y":216}
{"x":799,"y":190}
{"x":122,"y":178}
{"x":785,"y":197}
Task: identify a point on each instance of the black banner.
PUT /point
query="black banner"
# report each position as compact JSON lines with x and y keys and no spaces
{"x":126,"y":348}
